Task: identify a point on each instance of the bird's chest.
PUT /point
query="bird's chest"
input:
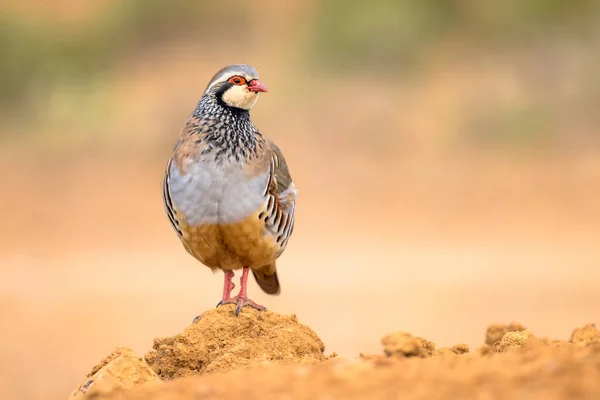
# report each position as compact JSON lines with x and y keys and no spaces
{"x":216,"y":192}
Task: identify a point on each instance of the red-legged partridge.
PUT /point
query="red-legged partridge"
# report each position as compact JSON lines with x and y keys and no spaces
{"x":227,"y":189}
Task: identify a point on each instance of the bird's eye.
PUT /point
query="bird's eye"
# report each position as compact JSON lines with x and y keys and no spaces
{"x":237,"y":80}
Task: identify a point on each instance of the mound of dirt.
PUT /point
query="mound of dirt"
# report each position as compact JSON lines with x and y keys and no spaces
{"x":495,"y":332}
{"x":234,"y":350}
{"x":122,"y":369}
{"x":403,"y":344}
{"x":585,"y":333}
{"x":513,"y":341}
{"x":544,"y":372}
{"x":219,"y":341}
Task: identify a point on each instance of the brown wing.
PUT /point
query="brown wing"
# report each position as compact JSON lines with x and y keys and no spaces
{"x":283,"y":179}
{"x":278,"y":216}
{"x":281,"y":193}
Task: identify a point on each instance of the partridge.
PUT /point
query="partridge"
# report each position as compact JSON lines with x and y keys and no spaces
{"x":227,"y":189}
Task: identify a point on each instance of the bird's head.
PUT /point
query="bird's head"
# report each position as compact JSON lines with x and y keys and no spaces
{"x":236,"y":86}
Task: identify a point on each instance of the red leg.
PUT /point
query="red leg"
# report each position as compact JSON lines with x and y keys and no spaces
{"x":228,"y":286}
{"x":242,"y":297}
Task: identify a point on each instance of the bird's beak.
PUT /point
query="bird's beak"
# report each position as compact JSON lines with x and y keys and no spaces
{"x":257,"y":86}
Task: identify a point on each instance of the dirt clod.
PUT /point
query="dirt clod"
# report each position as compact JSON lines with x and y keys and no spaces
{"x":460,"y":348}
{"x":403,"y":344}
{"x":122,"y":369}
{"x":585,"y":333}
{"x":495,"y":332}
{"x":513,"y":341}
{"x":220,"y":341}
{"x":456,"y":349}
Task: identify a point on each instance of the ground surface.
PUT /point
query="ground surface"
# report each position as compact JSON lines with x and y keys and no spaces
{"x":265,"y":355}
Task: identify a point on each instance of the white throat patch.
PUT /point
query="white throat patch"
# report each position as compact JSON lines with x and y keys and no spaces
{"x":240,"y":97}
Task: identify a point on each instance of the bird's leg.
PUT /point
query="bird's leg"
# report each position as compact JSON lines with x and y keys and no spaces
{"x":242,"y":297}
{"x":228,"y":286}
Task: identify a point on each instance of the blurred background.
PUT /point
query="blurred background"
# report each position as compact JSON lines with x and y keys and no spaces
{"x":446,"y":153}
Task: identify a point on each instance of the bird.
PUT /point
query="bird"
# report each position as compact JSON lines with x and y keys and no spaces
{"x":227,"y":189}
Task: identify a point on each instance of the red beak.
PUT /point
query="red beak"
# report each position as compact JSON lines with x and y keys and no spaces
{"x":257,"y":86}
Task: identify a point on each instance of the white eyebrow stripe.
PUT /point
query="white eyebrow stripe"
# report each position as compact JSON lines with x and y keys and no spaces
{"x":224,"y":76}
{"x":218,"y":79}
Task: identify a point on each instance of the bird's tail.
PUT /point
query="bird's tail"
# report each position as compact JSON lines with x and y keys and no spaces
{"x":268,"y":282}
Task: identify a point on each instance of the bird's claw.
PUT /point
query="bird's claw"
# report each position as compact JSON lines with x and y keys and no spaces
{"x":244,"y":301}
{"x":240,"y":303}
{"x":229,"y":300}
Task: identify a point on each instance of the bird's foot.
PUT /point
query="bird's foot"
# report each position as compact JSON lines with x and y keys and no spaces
{"x":241,"y":302}
{"x":227,"y":300}
{"x":244,"y":301}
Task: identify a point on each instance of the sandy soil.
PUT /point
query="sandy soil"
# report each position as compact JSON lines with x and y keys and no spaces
{"x":265,"y":355}
{"x":219,"y":342}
